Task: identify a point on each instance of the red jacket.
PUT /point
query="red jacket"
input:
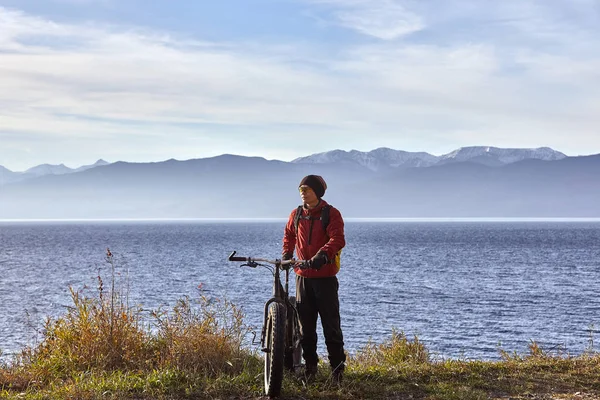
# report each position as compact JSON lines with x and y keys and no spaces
{"x":312,"y":239}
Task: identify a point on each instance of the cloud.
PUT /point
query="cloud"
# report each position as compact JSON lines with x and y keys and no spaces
{"x":133,"y":75}
{"x":77,"y":83}
{"x":383,"y":19}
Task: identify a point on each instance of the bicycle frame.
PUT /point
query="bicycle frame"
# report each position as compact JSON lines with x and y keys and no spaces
{"x":280,"y":295}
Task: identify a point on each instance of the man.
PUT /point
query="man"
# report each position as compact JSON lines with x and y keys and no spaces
{"x":318,"y":239}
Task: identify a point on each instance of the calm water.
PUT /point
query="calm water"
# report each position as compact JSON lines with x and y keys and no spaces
{"x":465,"y":288}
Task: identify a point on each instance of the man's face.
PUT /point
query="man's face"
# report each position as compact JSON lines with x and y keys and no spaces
{"x":307,"y":194}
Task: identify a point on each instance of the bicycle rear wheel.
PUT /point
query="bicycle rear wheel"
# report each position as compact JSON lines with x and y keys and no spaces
{"x":275,"y":348}
{"x":293,"y":349}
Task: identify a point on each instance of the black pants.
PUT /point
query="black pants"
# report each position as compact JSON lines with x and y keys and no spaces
{"x":319,"y":297}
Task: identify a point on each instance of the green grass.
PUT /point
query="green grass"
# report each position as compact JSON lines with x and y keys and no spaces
{"x":102,"y":348}
{"x":526,"y":377}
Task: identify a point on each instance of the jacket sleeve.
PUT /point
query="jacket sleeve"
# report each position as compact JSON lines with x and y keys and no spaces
{"x":289,"y":235}
{"x":335,"y":231}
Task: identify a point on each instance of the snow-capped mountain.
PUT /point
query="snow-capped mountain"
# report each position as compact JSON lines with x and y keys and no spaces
{"x":374,"y":160}
{"x":381,"y":158}
{"x":498,"y":156}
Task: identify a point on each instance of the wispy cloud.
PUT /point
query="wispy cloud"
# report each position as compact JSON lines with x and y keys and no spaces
{"x":82,"y":81}
{"x":383,"y":19}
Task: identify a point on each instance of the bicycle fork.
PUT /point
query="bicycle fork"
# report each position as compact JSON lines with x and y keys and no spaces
{"x":263,"y":334}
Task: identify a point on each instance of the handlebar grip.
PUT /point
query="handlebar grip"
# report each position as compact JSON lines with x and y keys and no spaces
{"x":232,"y":258}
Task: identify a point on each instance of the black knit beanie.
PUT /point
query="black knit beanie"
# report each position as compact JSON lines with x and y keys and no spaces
{"x":316,"y":183}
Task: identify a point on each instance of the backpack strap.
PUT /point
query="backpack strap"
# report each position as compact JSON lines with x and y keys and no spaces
{"x":325,"y":217}
{"x":297,"y":218}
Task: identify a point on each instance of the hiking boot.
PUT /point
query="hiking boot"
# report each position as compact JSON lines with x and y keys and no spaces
{"x":337,"y":376}
{"x":310,"y":372}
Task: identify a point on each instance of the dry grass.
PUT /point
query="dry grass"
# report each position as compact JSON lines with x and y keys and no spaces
{"x":206,"y":340}
{"x":102,"y":334}
{"x":393,"y":353}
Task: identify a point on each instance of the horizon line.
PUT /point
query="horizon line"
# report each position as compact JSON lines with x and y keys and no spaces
{"x":282,"y":219}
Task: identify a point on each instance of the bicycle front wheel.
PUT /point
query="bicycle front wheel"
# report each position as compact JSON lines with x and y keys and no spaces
{"x":275,"y":349}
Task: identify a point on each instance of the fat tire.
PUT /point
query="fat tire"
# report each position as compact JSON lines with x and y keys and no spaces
{"x":275,"y":337}
{"x":293,"y":349}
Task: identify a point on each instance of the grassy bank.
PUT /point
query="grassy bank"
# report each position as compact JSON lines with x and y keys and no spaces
{"x":395,"y":369}
{"x":103,"y":348}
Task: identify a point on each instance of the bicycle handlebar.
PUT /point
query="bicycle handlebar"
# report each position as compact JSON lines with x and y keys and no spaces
{"x":232,"y":258}
{"x":255,"y":260}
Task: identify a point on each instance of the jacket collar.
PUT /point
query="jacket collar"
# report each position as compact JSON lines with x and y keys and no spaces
{"x":317,"y":208}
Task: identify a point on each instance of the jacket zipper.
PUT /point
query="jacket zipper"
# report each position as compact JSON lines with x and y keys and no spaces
{"x":310,"y":230}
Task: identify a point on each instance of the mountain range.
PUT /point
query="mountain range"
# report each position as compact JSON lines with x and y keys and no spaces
{"x":8,"y":176}
{"x":469,"y":182}
{"x":381,"y":158}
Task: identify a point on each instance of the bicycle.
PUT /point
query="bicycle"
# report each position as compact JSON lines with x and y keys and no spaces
{"x":280,"y":336}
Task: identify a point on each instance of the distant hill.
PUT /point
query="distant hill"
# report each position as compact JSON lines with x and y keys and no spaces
{"x":98,"y":163}
{"x":230,"y":186}
{"x":7,"y":176}
{"x":48,"y":169}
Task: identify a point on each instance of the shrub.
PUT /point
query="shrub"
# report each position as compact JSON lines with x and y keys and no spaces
{"x":392,"y":353}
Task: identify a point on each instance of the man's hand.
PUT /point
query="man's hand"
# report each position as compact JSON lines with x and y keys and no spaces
{"x":317,"y":261}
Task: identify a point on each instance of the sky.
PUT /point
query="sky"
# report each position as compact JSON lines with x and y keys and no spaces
{"x":142,"y":81}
